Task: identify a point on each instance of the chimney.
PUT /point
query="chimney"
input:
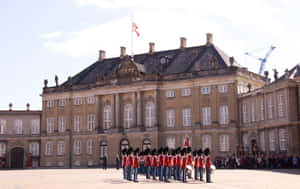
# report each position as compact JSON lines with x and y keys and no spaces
{"x":123,"y":52}
{"x":209,"y":39}
{"x":101,"y":55}
{"x":182,"y":42}
{"x":10,"y":106}
{"x":27,"y":105}
{"x":151,"y":48}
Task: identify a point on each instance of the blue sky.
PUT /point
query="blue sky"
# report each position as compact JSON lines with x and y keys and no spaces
{"x":39,"y":39}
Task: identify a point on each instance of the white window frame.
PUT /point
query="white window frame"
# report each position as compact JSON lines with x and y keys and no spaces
{"x":280,"y":106}
{"x":171,"y":142}
{"x":50,"y":103}
{"x":91,"y":122}
{"x":270,"y":108}
{"x":34,"y":148}
{"x":50,"y":125}
{"x":103,"y":149}
{"x":205,"y":90}
{"x":89,"y":147}
{"x":170,"y":93}
{"x":262,"y":110}
{"x":283,"y":139}
{"x":272,"y":140}
{"x":224,"y":114}
{"x":62,"y":102}
{"x":77,"y":123}
{"x":35,"y":127}
{"x":149,"y":115}
{"x":206,"y":115}
{"x":49,"y":148}
{"x":62,"y":124}
{"x":18,"y":127}
{"x":77,"y":147}
{"x":245,"y":113}
{"x":90,"y":100}
{"x":2,"y":127}
{"x":224,"y":143}
{"x":186,"y":92}
{"x":222,"y":88}
{"x":78,"y":101}
{"x":253,"y":111}
{"x":2,"y":148}
{"x":170,"y":117}
{"x":262,"y":141}
{"x":107,"y":115}
{"x":128,"y":116}
{"x":206,"y":141}
{"x":187,"y":117}
{"x":61,"y":147}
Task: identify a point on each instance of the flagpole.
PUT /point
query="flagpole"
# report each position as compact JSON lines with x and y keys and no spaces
{"x":131,"y":37}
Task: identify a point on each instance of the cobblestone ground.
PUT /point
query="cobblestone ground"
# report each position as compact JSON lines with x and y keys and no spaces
{"x":111,"y":178}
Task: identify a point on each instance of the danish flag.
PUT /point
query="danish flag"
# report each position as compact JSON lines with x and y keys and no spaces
{"x":134,"y":29}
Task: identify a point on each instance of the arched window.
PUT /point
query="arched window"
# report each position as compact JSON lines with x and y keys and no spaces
{"x":149,"y":117}
{"x":128,"y":116}
{"x":124,"y":144}
{"x":206,"y":142}
{"x":103,"y":149}
{"x":107,"y":116}
{"x":146,"y":144}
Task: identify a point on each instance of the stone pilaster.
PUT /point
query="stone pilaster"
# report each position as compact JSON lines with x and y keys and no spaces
{"x":117,"y":110}
{"x":139,"y":109}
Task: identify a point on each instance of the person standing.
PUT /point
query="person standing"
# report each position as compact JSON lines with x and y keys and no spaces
{"x":174,"y":158}
{"x":184,"y":164}
{"x":165,"y":164}
{"x":129,"y":164}
{"x":117,"y":162}
{"x":124,"y":161}
{"x":178,"y":164}
{"x":136,"y":164}
{"x":201,"y":164}
{"x":104,"y":162}
{"x":148,"y":163}
{"x":189,"y":160}
{"x":207,"y":165}
{"x":154,"y":164}
{"x":196,"y":164}
{"x":160,"y":164}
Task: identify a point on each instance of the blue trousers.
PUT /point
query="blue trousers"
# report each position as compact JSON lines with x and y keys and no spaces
{"x":148,"y":172}
{"x":165,"y":170}
{"x":160,"y":173}
{"x":129,"y":170}
{"x":154,"y":173}
{"x":201,"y":173}
{"x":124,"y":173}
{"x":183,"y":175}
{"x":178,"y":172}
{"x":169,"y":172}
{"x":196,"y":173}
{"x":135,"y":174}
{"x":208,"y":175}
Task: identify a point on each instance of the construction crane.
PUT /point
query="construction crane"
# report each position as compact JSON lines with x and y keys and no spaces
{"x":262,"y":60}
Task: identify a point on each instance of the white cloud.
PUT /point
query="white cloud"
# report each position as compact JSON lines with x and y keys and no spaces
{"x":52,"y":35}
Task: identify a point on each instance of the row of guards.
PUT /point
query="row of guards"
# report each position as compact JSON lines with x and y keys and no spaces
{"x":166,"y":164}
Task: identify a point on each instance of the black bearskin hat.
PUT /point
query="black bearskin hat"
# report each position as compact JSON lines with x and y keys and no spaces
{"x":206,"y":151}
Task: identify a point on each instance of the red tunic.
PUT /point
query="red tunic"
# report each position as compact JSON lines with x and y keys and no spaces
{"x":178,"y":161}
{"x":207,"y":162}
{"x":136,"y":162}
{"x":201,"y":162}
{"x":129,"y":161}
{"x":170,"y":162}
{"x":148,"y":161}
{"x":184,"y":162}
{"x":166,"y":161}
{"x":161,"y":160}
{"x":190,"y":160}
{"x":124,"y":161}
{"x":196,"y":162}
{"x":154,"y":161}
{"x":174,"y":161}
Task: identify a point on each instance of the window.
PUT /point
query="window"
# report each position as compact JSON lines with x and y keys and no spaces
{"x":50,"y":124}
{"x":270,"y":108}
{"x":190,"y":141}
{"x":35,"y":127}
{"x":272,"y":140}
{"x":224,"y":114}
{"x":2,"y":127}
{"x":262,"y":141}
{"x":253,"y":112}
{"x":245,"y":141}
{"x":2,"y":149}
{"x":49,"y":149}
{"x":107,"y":116}
{"x":262,"y":110}
{"x":50,"y":103}
{"x":18,"y":127}
{"x":149,"y":114}
{"x":61,"y":124}
{"x":206,"y":142}
{"x":224,"y":143}
{"x":124,"y":144}
{"x":283,"y":139}
{"x":170,"y":93}
{"x":205,"y":90}
{"x":91,"y":100}
{"x":186,"y":92}
{"x":128,"y":116}
{"x":186,"y":117}
{"x":280,"y":99}
{"x":170,"y":140}
{"x":77,"y":123}
{"x":77,"y":147}
{"x":62,"y":102}
{"x":103,"y":149}
{"x":146,"y":144}
{"x":171,"y":118}
{"x":60,"y":147}
{"x":91,"y":122}
{"x":78,"y":101}
{"x":34,"y":148}
{"x":245,"y":113}
{"x":89,"y":146}
{"x":222,"y":88}
{"x":206,"y":115}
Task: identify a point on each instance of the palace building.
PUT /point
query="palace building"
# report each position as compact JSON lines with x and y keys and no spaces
{"x":158,"y":99}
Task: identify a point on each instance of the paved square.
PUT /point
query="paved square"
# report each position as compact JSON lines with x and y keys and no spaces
{"x":111,"y":178}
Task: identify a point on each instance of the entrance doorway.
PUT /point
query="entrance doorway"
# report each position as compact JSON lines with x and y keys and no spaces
{"x":17,"y":158}
{"x":253,"y":146}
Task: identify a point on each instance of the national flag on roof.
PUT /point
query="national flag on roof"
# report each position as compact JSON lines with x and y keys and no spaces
{"x":134,"y":29}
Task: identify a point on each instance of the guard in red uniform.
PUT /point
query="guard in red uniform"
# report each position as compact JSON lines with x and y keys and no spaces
{"x":124,"y":160}
{"x":154,"y":163}
{"x":207,"y":165}
{"x":189,"y":160}
{"x":165,"y":164}
{"x":160,"y":164}
{"x":136,"y":165}
{"x":170,"y":164}
{"x":196,"y":164}
{"x":129,"y":164}
{"x":201,"y":163}
{"x":174,"y":164}
{"x":184,"y":164}
{"x":148,"y":163}
{"x":178,"y":163}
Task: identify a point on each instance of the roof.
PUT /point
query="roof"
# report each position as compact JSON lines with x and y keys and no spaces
{"x":20,"y":112}
{"x":292,"y":73}
{"x":181,"y":60}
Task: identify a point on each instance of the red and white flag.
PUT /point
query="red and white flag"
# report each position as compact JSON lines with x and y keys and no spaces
{"x":134,"y":29}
